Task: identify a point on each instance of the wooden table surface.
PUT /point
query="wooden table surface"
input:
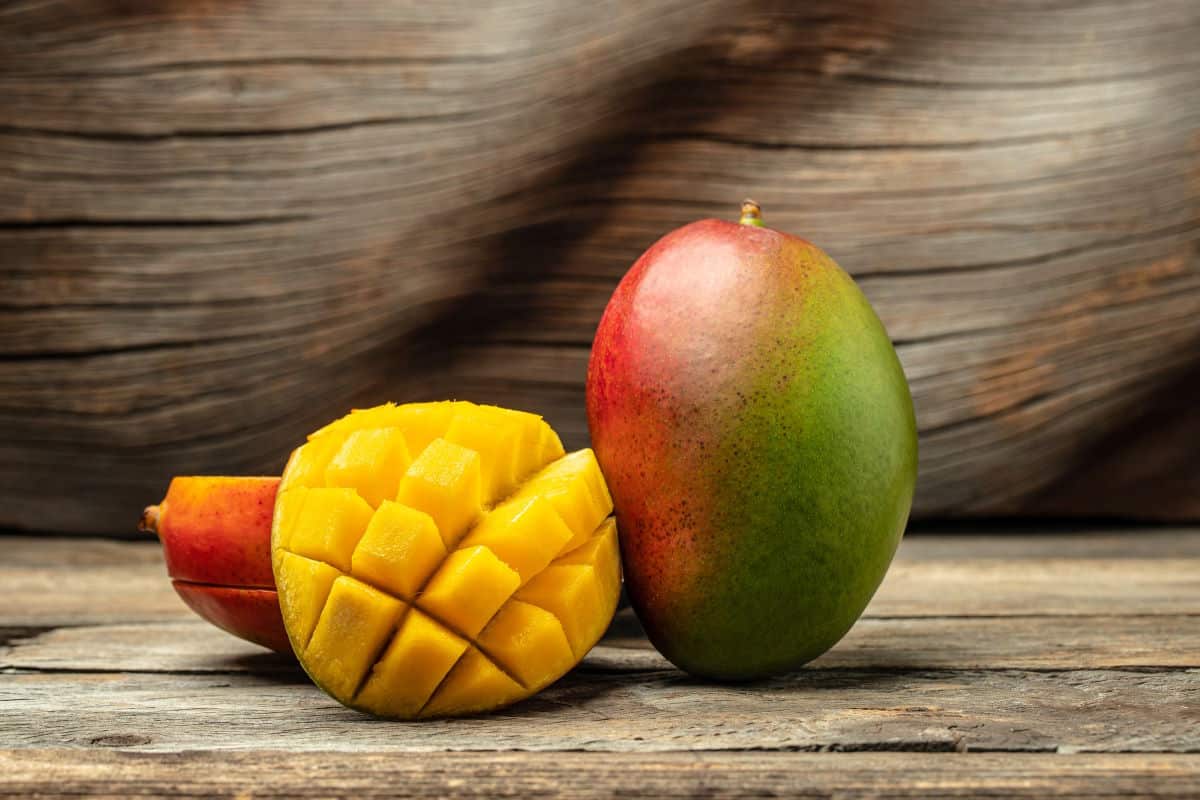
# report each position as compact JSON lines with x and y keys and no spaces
{"x":1058,"y":663}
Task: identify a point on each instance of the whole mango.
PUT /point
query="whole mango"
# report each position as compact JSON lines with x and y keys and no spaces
{"x":757,"y":434}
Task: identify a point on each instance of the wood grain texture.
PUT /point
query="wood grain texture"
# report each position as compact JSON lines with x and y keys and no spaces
{"x":104,"y":774}
{"x":877,"y":709}
{"x":47,"y":583}
{"x":224,"y":224}
{"x":961,"y":699}
{"x":1035,"y":643}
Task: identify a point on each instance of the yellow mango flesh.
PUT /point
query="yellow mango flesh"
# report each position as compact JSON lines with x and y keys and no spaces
{"x":439,"y":559}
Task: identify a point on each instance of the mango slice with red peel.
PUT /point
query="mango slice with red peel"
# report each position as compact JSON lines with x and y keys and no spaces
{"x":216,"y":538}
{"x":438,"y":559}
{"x":250,"y":614}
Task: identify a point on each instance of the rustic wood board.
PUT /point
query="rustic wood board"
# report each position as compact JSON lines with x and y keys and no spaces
{"x":225,"y":223}
{"x":933,"y":576}
{"x":104,"y":774}
{"x":1069,"y":710}
{"x":1014,"y":642}
{"x":1083,"y":681}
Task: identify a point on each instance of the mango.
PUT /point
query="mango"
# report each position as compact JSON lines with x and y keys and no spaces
{"x":757,"y":433}
{"x":216,"y":538}
{"x":437,"y":559}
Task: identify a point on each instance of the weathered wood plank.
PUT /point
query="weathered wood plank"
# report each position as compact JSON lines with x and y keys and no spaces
{"x":1074,"y":710}
{"x":65,"y":582}
{"x":1008,"y":541}
{"x":1049,"y":586}
{"x":49,"y":596}
{"x":1021,"y":680}
{"x":225,"y":224}
{"x":1062,"y":643}
{"x":102,"y":774}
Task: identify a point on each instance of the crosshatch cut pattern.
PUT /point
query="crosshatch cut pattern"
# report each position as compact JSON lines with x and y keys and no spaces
{"x":442,"y":558}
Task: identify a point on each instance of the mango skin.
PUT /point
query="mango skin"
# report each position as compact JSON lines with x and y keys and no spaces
{"x":757,"y":433}
{"x":216,"y":529}
{"x":216,"y":537}
{"x":250,"y":614}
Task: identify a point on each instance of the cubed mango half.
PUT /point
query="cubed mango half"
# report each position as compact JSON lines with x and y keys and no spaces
{"x":439,"y":559}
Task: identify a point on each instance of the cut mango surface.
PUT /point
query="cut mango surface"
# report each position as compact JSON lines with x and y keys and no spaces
{"x":438,"y":559}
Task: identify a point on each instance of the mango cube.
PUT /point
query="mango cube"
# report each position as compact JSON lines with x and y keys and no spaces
{"x":574,"y":486}
{"x":442,"y":558}
{"x":539,"y":446}
{"x":329,"y":526}
{"x":371,"y":461}
{"x":475,"y":684}
{"x":287,"y":509}
{"x":497,"y":439}
{"x":529,"y":643}
{"x":399,"y":551}
{"x":353,"y":628}
{"x":526,"y":534}
{"x":416,"y":661}
{"x":549,"y":448}
{"x":424,"y":422}
{"x":421,"y":422}
{"x":309,"y":583}
{"x":601,"y":552}
{"x":444,"y":482}
{"x":306,"y":467}
{"x":469,"y":589}
{"x":569,"y":591}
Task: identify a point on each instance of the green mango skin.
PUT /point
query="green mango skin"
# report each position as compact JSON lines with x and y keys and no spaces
{"x":757,"y":433}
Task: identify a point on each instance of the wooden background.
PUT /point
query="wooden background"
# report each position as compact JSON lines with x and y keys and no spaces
{"x":223,"y":222}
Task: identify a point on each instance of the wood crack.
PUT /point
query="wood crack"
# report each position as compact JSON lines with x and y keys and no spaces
{"x":242,"y":133}
{"x":898,"y":145}
{"x":168,"y":222}
{"x":282,"y":61}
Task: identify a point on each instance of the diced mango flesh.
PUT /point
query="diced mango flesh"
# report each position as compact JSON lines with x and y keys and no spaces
{"x":497,"y":439}
{"x":469,"y":589}
{"x":442,"y":558}
{"x":371,"y":462}
{"x":308,"y":582}
{"x":560,"y":590}
{"x":529,"y":643}
{"x":575,"y":488}
{"x":474,"y":684}
{"x":586,"y":578}
{"x":416,"y":661}
{"x":526,"y":534}
{"x":307,"y":465}
{"x":329,"y":526}
{"x":354,"y":626}
{"x":398,"y":534}
{"x":444,"y":482}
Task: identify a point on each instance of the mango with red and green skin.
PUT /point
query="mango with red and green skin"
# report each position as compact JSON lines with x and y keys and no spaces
{"x":757,"y":432}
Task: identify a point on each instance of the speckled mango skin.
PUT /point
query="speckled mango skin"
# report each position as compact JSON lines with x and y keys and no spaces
{"x":757,"y":433}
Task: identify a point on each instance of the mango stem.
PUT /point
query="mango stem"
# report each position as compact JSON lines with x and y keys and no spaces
{"x":149,"y":521}
{"x":751,"y":213}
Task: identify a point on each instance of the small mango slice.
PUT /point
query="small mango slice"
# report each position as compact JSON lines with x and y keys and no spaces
{"x":439,"y":559}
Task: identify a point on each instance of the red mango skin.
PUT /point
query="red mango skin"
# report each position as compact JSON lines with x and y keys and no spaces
{"x":757,"y":433}
{"x":216,"y":538}
{"x":217,"y":530}
{"x":250,"y":614}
